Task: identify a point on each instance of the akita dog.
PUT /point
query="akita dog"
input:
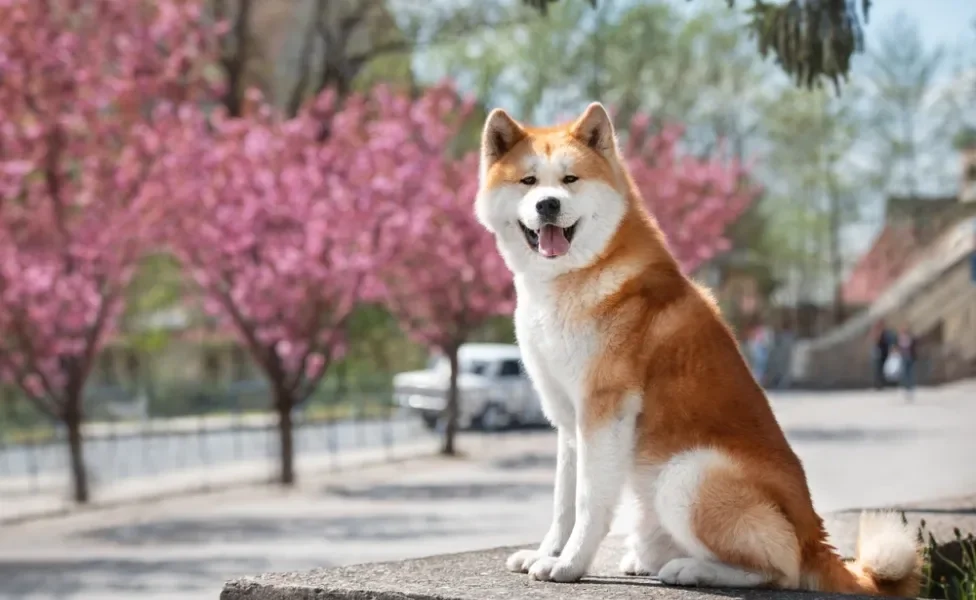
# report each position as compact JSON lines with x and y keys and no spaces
{"x":646,"y":386}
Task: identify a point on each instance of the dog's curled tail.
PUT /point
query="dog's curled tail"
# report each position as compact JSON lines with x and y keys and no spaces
{"x":888,"y":561}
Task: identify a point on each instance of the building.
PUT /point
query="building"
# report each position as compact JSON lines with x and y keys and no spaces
{"x":919,"y":274}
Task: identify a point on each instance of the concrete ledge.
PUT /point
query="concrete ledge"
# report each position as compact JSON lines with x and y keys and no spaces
{"x":475,"y":576}
{"x":482,"y":575}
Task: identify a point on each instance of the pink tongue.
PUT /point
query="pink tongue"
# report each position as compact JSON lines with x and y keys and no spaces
{"x":552,"y":241}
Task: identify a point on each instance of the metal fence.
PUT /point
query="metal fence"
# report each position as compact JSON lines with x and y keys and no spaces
{"x":156,"y":455}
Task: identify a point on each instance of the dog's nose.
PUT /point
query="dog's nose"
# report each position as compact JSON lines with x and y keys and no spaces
{"x":548,"y":208}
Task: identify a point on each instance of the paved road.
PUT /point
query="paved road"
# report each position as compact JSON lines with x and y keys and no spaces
{"x":162,"y":447}
{"x":858,"y":449}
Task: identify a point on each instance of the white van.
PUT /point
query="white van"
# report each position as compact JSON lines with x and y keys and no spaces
{"x":493,"y":390}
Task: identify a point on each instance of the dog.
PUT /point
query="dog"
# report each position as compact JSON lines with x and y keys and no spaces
{"x":646,"y":387}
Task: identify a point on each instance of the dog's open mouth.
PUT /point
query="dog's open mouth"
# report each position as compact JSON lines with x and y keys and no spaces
{"x":549,"y":241}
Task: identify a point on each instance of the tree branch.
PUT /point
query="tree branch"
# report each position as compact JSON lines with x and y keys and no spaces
{"x":80,"y":374}
{"x":48,"y":407}
{"x":235,"y":62}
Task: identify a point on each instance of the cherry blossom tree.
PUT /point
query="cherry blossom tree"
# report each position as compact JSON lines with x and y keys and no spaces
{"x":277,"y":220}
{"x":694,"y":199}
{"x":82,"y":85}
{"x":446,"y":277}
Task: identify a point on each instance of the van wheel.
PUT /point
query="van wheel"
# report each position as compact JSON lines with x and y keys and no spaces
{"x":430,"y":421}
{"x":494,"y":418}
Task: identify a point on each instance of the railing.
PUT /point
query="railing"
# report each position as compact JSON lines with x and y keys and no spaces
{"x":157,"y":455}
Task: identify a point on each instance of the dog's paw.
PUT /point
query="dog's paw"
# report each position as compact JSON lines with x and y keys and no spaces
{"x":705,"y":573}
{"x":631,"y":565}
{"x":687,"y":572}
{"x":521,"y":561}
{"x":553,"y":568}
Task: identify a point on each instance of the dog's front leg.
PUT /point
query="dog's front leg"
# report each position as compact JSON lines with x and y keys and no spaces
{"x":564,"y":506}
{"x":605,"y":454}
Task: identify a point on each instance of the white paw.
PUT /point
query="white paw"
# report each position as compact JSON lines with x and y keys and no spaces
{"x":631,"y":565}
{"x":553,"y":568}
{"x":687,"y":571}
{"x":520,"y":561}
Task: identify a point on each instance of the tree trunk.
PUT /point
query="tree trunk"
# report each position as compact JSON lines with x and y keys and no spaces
{"x":79,"y":475}
{"x":452,"y":405}
{"x":836,"y":259}
{"x":284,"y":401}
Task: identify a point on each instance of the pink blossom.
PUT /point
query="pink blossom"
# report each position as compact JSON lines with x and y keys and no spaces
{"x":693,"y":199}
{"x":444,"y":277}
{"x":279,"y":224}
{"x":78,"y":149}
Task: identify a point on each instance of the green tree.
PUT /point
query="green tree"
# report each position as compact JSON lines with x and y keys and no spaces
{"x":293,"y":49}
{"x":815,"y":184}
{"x":811,"y":40}
{"x":908,"y":119}
{"x":637,"y":57}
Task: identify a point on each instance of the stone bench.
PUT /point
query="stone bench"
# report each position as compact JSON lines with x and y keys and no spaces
{"x":468,"y":576}
{"x":482,"y":575}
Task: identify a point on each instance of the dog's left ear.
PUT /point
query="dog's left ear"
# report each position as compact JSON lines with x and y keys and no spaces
{"x":595,"y":129}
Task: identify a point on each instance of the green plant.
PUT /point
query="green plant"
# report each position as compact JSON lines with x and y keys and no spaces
{"x":965,"y":139}
{"x":949,"y":569}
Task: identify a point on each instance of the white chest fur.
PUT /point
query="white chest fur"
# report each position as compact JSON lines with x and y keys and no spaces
{"x":558,"y":346}
{"x":564,"y":346}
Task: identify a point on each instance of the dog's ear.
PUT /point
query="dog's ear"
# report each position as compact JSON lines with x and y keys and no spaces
{"x":500,"y":135}
{"x":595,"y":129}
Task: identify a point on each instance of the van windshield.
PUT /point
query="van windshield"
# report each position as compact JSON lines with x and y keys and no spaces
{"x":476,"y":367}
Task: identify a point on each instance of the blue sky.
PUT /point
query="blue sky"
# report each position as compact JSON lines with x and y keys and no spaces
{"x":947,"y":21}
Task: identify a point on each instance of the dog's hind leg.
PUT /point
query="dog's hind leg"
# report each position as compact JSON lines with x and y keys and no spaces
{"x":733,"y":535}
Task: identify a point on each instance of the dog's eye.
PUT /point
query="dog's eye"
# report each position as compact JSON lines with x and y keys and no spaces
{"x":570,"y":179}
{"x":530,"y":180}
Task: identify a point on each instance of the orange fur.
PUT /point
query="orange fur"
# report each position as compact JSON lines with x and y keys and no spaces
{"x":662,"y":336}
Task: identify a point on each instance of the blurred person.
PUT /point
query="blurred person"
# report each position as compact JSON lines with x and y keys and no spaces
{"x":905,"y":346}
{"x":785,"y":340}
{"x":881,"y":349}
{"x":759,"y":346}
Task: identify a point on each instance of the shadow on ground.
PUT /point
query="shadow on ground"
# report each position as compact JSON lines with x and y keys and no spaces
{"x":850,"y":434}
{"x":919,"y":511}
{"x":441,"y":491}
{"x":375,"y":527}
{"x":532,"y":460}
{"x":77,"y":577}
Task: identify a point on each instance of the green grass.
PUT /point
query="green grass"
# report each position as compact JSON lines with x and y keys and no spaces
{"x":949,"y":571}
{"x":348,"y":410}
{"x":33,"y":435}
{"x":316,"y":411}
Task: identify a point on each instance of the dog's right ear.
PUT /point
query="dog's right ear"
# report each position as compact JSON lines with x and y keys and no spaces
{"x":500,"y":135}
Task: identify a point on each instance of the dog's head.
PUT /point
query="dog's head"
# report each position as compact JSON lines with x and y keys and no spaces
{"x":553,"y":197}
